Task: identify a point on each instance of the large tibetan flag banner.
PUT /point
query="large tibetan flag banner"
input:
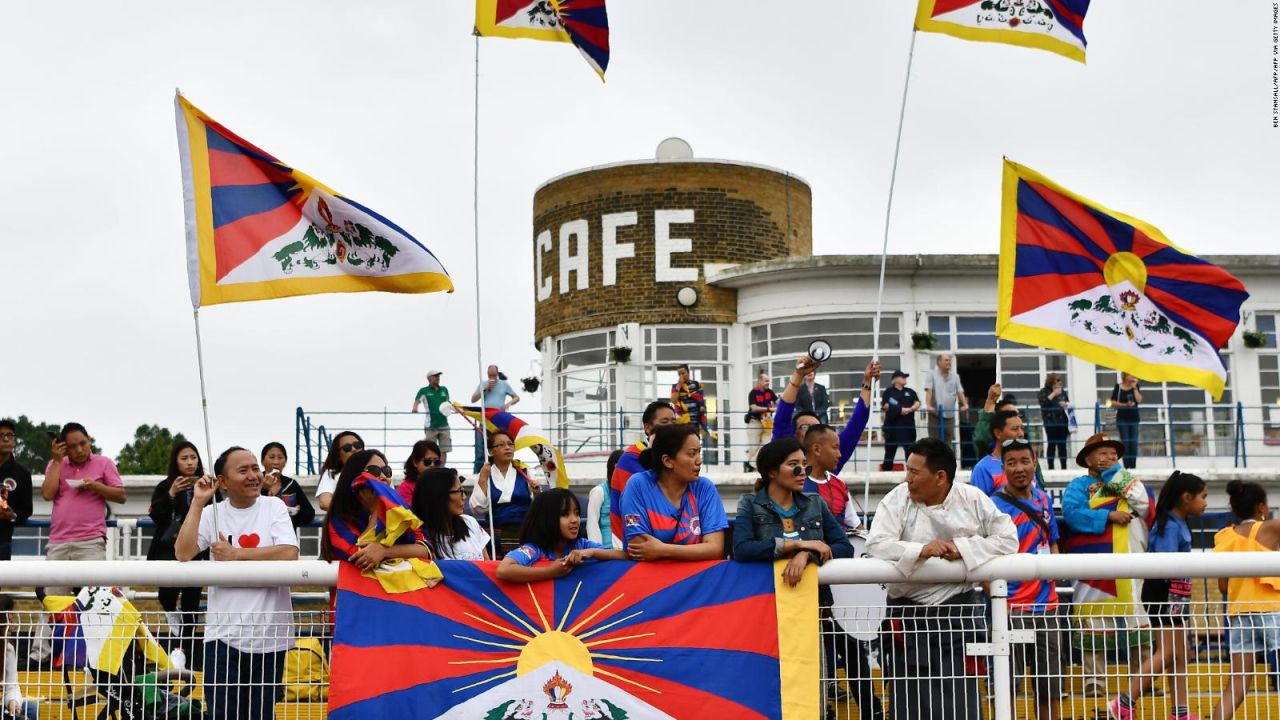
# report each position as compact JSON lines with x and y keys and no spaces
{"x":258,"y":229}
{"x":1109,"y":288}
{"x":614,"y":639}
{"x":523,"y":435}
{"x":1053,"y":25}
{"x":585,"y":23}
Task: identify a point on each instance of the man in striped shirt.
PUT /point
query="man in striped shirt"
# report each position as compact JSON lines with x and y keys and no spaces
{"x":1033,"y":604}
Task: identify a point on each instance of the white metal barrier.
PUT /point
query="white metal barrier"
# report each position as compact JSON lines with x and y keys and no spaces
{"x":974,"y":659}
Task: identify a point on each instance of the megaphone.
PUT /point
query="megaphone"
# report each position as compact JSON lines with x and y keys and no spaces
{"x":820,"y":351}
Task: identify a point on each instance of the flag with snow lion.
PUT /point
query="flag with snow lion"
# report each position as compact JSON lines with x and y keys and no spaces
{"x":258,"y":229}
{"x":1109,"y":288}
{"x":613,"y":640}
{"x":1053,"y":25}
{"x":585,"y":23}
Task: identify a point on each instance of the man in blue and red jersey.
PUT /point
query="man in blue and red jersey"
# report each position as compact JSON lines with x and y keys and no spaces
{"x":1033,"y":604}
{"x":988,"y":474}
{"x":658,"y":412}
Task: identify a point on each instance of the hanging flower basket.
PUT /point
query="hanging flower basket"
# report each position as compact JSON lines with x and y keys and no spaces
{"x":530,"y":384}
{"x":620,"y":354}
{"x":1255,"y":339}
{"x":923,"y":340}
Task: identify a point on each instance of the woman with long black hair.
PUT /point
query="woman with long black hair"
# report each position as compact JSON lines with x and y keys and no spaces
{"x":170,"y":501}
{"x":344,"y":445}
{"x":439,"y":501}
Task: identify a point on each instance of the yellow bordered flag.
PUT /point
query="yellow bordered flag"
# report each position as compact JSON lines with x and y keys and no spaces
{"x":1053,"y":25}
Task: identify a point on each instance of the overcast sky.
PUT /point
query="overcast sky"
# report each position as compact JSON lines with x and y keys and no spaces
{"x":1170,"y":121}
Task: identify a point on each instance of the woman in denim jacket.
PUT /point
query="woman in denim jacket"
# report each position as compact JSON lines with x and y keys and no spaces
{"x":780,"y":521}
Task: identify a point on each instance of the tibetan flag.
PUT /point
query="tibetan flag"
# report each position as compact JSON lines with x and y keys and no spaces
{"x":257,"y":229}
{"x":97,"y":629}
{"x":585,"y":23}
{"x":612,"y":639}
{"x":523,"y":435}
{"x":393,"y":524}
{"x":1106,"y":287}
{"x":1053,"y":25}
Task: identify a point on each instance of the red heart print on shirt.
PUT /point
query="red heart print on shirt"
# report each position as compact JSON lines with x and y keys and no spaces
{"x":249,"y":541}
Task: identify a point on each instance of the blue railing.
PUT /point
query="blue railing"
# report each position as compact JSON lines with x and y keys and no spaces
{"x":1175,"y":433}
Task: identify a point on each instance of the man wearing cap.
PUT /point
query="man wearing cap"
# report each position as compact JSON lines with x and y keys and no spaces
{"x":437,"y":428}
{"x":899,"y":404}
{"x":1108,"y":511}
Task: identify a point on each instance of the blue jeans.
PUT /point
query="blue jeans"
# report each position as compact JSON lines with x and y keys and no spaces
{"x":241,"y":685}
{"x":1129,"y":436}
{"x":480,"y":453}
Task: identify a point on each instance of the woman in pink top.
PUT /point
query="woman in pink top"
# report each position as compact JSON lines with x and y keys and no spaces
{"x":424,"y":456}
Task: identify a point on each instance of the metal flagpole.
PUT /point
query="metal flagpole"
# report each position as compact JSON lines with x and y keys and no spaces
{"x":884,"y":257}
{"x":475,"y":215}
{"x":204,"y":409}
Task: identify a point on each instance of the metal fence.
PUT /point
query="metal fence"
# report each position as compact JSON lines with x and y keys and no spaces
{"x":1231,"y":434}
{"x":883,"y":657}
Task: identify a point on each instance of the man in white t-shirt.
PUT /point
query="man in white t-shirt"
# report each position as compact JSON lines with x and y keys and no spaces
{"x":247,"y":630}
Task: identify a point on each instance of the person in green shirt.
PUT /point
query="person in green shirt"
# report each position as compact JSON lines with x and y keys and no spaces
{"x":437,"y":428}
{"x":983,"y":441}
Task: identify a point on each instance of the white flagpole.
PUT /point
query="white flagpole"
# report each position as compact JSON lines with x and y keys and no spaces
{"x":884,"y":256}
{"x":475,"y":214}
{"x":204,"y":409}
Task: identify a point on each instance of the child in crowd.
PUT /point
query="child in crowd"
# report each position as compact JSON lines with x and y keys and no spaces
{"x":1253,"y":603}
{"x":550,"y":532}
{"x":1168,"y":602}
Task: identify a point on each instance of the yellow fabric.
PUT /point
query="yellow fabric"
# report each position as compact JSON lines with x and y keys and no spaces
{"x":1248,"y":594}
{"x":1095,"y":604}
{"x":797,"y":612}
{"x":306,"y":672}
{"x":487,"y":25}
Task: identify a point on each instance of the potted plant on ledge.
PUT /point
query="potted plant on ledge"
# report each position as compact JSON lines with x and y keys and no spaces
{"x":924,"y":341}
{"x":530,"y":384}
{"x":1255,"y":339}
{"x":620,"y":354}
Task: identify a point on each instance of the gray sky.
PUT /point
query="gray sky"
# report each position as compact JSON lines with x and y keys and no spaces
{"x":1170,"y":121}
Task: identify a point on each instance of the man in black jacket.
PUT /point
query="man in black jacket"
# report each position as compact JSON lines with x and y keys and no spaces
{"x":15,"y":489}
{"x":812,"y":398}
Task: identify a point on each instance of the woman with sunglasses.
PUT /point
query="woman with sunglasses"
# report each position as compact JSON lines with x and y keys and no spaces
{"x":439,"y":500}
{"x":424,"y":456}
{"x":780,"y":521}
{"x":508,"y":483}
{"x":344,"y":445}
{"x":351,"y":527}
{"x":276,"y":484}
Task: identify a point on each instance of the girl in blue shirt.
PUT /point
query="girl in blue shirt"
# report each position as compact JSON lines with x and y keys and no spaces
{"x":550,"y":532}
{"x":1168,"y":602}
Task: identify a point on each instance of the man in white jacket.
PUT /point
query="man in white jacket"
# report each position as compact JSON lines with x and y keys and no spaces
{"x":928,"y":624}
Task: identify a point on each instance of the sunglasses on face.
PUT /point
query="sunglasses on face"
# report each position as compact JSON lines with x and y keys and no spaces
{"x":348,"y":447}
{"x":459,"y":491}
{"x":377,"y":470}
{"x":433,"y":462}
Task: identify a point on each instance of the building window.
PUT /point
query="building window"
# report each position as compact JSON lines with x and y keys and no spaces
{"x":705,"y":349}
{"x":1022,"y":374}
{"x":775,"y":347}
{"x":1269,"y":377}
{"x":1176,"y":419}
{"x":586,"y":415}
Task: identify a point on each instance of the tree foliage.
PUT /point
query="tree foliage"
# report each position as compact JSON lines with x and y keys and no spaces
{"x":148,"y":454}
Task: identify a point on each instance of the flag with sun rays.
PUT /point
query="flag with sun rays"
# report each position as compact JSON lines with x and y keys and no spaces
{"x":258,"y":229}
{"x":610,"y":640}
{"x":1109,"y":288}
{"x":585,"y":23}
